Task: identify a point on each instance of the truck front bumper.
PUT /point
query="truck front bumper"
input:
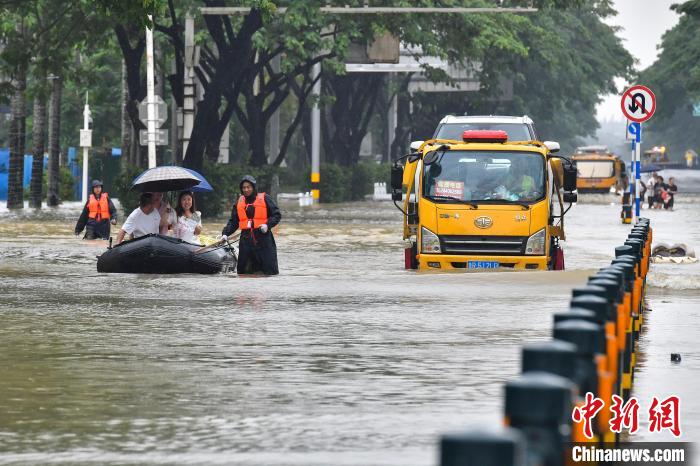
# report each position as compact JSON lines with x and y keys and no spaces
{"x":460,"y":262}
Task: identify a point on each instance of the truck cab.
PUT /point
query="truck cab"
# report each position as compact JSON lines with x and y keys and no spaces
{"x":484,"y":202}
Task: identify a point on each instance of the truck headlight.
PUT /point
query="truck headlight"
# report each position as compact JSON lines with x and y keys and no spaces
{"x":429,"y":241}
{"x":535,"y":243}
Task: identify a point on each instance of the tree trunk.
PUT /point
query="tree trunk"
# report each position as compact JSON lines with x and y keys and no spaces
{"x":39,"y":133}
{"x":126,"y":123}
{"x":15,"y":188}
{"x":348,"y":118}
{"x":136,"y":85}
{"x":257,"y":146}
{"x":403,"y":119}
{"x":54,"y":142}
{"x":229,"y":68}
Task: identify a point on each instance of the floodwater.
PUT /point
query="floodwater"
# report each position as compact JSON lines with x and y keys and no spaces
{"x":343,"y":359}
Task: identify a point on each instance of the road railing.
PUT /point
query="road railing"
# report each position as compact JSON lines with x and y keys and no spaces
{"x":590,"y":359}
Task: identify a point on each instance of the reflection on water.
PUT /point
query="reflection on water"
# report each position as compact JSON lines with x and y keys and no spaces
{"x":345,"y":358}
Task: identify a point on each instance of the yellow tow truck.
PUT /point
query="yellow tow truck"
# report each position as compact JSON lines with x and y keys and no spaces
{"x":483,"y":203}
{"x":599,"y":170}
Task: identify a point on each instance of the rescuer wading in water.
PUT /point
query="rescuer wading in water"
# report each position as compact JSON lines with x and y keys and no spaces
{"x":255,"y":214}
{"x":98,"y":213}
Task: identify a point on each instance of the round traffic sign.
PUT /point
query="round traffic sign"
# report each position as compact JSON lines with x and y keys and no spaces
{"x":638,"y":103}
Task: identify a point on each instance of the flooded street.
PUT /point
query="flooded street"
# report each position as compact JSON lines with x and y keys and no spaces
{"x":345,"y":358}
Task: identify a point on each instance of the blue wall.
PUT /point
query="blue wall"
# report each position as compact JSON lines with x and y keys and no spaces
{"x":4,"y":167}
{"x":73,"y":165}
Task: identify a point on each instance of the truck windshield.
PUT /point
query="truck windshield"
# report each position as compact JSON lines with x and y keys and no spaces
{"x":594,"y":168}
{"x":485,"y":176}
{"x":516,"y":131}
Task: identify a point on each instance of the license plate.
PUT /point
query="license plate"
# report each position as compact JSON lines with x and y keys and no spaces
{"x":482,"y":264}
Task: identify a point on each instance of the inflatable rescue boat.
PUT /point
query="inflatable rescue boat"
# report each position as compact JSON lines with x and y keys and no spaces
{"x":163,"y":254}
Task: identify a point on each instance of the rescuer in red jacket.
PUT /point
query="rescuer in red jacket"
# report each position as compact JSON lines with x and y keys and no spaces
{"x":97,"y":215}
{"x":255,"y":214}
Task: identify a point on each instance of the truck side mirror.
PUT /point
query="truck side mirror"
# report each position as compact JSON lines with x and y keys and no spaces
{"x":570,"y":174}
{"x":396,"y":182}
{"x":570,"y":198}
{"x":414,"y":157}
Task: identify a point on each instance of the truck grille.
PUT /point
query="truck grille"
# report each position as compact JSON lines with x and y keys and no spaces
{"x":483,"y":245}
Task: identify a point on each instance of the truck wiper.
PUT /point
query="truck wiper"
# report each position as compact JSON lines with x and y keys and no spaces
{"x":505,"y":201}
{"x":453,"y":199}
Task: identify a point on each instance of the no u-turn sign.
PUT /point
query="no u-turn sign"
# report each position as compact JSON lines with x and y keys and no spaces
{"x":638,"y":103}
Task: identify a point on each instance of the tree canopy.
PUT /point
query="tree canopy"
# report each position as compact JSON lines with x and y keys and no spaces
{"x":675,"y":79}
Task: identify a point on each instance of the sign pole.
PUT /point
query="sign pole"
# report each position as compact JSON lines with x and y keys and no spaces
{"x":150,"y":91}
{"x":638,"y":104}
{"x":637,"y":171}
{"x":85,"y":143}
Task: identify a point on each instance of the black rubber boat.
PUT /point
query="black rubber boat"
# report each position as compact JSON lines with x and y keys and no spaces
{"x":163,"y":254}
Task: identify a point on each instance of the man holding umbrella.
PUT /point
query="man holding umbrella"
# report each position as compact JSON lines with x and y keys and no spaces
{"x":255,"y":214}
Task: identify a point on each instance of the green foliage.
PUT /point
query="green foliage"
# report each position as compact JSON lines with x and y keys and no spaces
{"x":225,"y":179}
{"x":573,"y":58}
{"x":675,"y":79}
{"x":344,"y":184}
{"x":558,"y":63}
{"x":66,"y":186}
{"x":121,"y":188}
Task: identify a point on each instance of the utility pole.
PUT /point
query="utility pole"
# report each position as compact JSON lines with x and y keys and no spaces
{"x":150,"y":97}
{"x":316,"y":135}
{"x":85,"y":143}
{"x":189,"y":85}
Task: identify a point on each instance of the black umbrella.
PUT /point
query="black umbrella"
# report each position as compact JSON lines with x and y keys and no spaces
{"x":166,"y":178}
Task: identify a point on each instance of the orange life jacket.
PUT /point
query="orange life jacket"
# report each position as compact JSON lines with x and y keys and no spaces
{"x":260,"y":216}
{"x":98,"y":210}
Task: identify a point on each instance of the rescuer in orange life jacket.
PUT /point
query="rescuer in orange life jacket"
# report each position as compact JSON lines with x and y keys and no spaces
{"x":255,"y":214}
{"x":97,"y":214}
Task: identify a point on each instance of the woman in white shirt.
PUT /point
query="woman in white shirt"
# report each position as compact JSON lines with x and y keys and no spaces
{"x":142,"y":221}
{"x":189,"y":221}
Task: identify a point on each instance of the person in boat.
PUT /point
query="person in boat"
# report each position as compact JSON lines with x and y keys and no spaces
{"x":144,"y":220}
{"x":98,"y":213}
{"x":255,"y":214}
{"x":188,"y":224}
{"x":167,"y":213}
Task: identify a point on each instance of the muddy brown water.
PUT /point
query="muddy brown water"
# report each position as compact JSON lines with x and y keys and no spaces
{"x":345,"y":358}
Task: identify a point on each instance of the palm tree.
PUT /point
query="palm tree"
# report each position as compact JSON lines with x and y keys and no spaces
{"x":54,"y":135}
{"x":15,"y":188}
{"x":39,"y":134}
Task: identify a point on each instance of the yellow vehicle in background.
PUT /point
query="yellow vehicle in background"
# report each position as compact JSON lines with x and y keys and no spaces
{"x":484,"y":203}
{"x":599,"y":170}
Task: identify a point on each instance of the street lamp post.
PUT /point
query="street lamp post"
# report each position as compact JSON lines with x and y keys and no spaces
{"x":85,"y":143}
